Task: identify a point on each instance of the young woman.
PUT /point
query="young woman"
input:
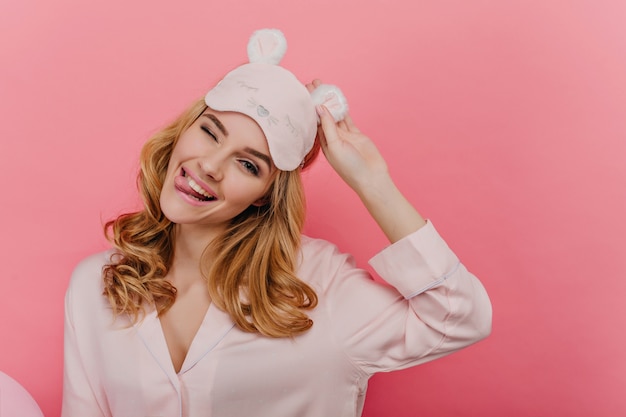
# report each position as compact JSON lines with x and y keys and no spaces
{"x":212,"y":303}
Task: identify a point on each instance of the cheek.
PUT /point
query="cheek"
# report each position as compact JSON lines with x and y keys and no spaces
{"x":170,"y":172}
{"x":182,"y":152}
{"x":177,"y":153}
{"x":245,"y":190}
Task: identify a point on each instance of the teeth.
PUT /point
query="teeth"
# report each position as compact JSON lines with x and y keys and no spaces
{"x":194,"y":185}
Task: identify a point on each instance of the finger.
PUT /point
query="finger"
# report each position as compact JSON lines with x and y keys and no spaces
{"x":323,"y":143}
{"x":320,"y":135}
{"x":313,"y":84}
{"x":329,"y":127}
{"x":350,"y":124}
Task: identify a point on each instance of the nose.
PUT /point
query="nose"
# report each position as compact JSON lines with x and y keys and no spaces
{"x":211,"y":166}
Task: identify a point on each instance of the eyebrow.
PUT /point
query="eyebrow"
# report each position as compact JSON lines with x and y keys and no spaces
{"x":260,"y":155}
{"x":251,"y":151}
{"x":217,"y":123}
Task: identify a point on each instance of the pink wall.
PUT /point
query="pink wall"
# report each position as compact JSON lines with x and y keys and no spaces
{"x":504,"y":122}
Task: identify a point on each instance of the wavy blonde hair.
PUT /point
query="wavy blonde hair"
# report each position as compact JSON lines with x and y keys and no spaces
{"x":251,"y":273}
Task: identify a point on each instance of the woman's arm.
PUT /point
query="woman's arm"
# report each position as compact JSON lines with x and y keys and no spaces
{"x":359,"y":163}
{"x":435,"y":307}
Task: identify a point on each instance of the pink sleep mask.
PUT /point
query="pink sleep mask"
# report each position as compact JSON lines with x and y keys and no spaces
{"x":275,"y":99}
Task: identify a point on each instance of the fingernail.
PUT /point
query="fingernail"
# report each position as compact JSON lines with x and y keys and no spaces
{"x":320,"y":110}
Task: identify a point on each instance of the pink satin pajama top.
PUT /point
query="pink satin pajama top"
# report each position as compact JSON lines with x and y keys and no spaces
{"x":432,"y":307}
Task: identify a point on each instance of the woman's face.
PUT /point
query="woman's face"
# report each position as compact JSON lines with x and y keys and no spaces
{"x":219,"y":167}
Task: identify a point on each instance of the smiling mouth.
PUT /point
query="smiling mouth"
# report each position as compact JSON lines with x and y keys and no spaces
{"x":196,"y":191}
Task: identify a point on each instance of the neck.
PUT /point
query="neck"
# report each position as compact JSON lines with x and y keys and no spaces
{"x":190,"y":243}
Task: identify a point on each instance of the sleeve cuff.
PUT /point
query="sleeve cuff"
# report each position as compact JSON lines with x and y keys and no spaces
{"x":416,"y":263}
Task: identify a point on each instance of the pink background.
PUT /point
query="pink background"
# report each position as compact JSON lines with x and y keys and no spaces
{"x":503,"y":121}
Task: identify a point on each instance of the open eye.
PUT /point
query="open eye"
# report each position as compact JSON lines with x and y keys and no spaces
{"x":250,"y":167}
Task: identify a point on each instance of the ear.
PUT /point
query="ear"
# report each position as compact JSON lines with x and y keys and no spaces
{"x":261,"y":201}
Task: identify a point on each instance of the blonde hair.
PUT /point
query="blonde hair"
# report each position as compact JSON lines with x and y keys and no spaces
{"x":251,"y":275}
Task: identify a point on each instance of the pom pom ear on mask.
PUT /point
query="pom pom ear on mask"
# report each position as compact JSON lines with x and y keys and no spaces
{"x":268,"y":46}
{"x":332,"y":98}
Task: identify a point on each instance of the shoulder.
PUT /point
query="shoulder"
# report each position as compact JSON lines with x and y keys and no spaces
{"x":321,"y":261}
{"x":87,"y":273}
{"x":312,"y":243}
{"x":314,"y":250}
{"x":85,"y":304}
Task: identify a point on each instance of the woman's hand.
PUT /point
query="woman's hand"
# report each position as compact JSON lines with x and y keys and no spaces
{"x":352,"y":154}
{"x":359,"y":163}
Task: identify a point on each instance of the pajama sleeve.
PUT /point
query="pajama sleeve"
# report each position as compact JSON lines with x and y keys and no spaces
{"x":432,"y":307}
{"x":79,"y":399}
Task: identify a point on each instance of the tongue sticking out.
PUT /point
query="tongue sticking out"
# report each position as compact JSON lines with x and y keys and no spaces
{"x":182,"y":184}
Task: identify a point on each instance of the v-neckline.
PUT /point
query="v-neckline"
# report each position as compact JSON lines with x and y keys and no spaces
{"x":215,"y":325}
{"x":178,"y":344}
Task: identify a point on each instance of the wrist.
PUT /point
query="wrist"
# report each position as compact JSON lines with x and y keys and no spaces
{"x":395,"y":215}
{"x":377,"y":188}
